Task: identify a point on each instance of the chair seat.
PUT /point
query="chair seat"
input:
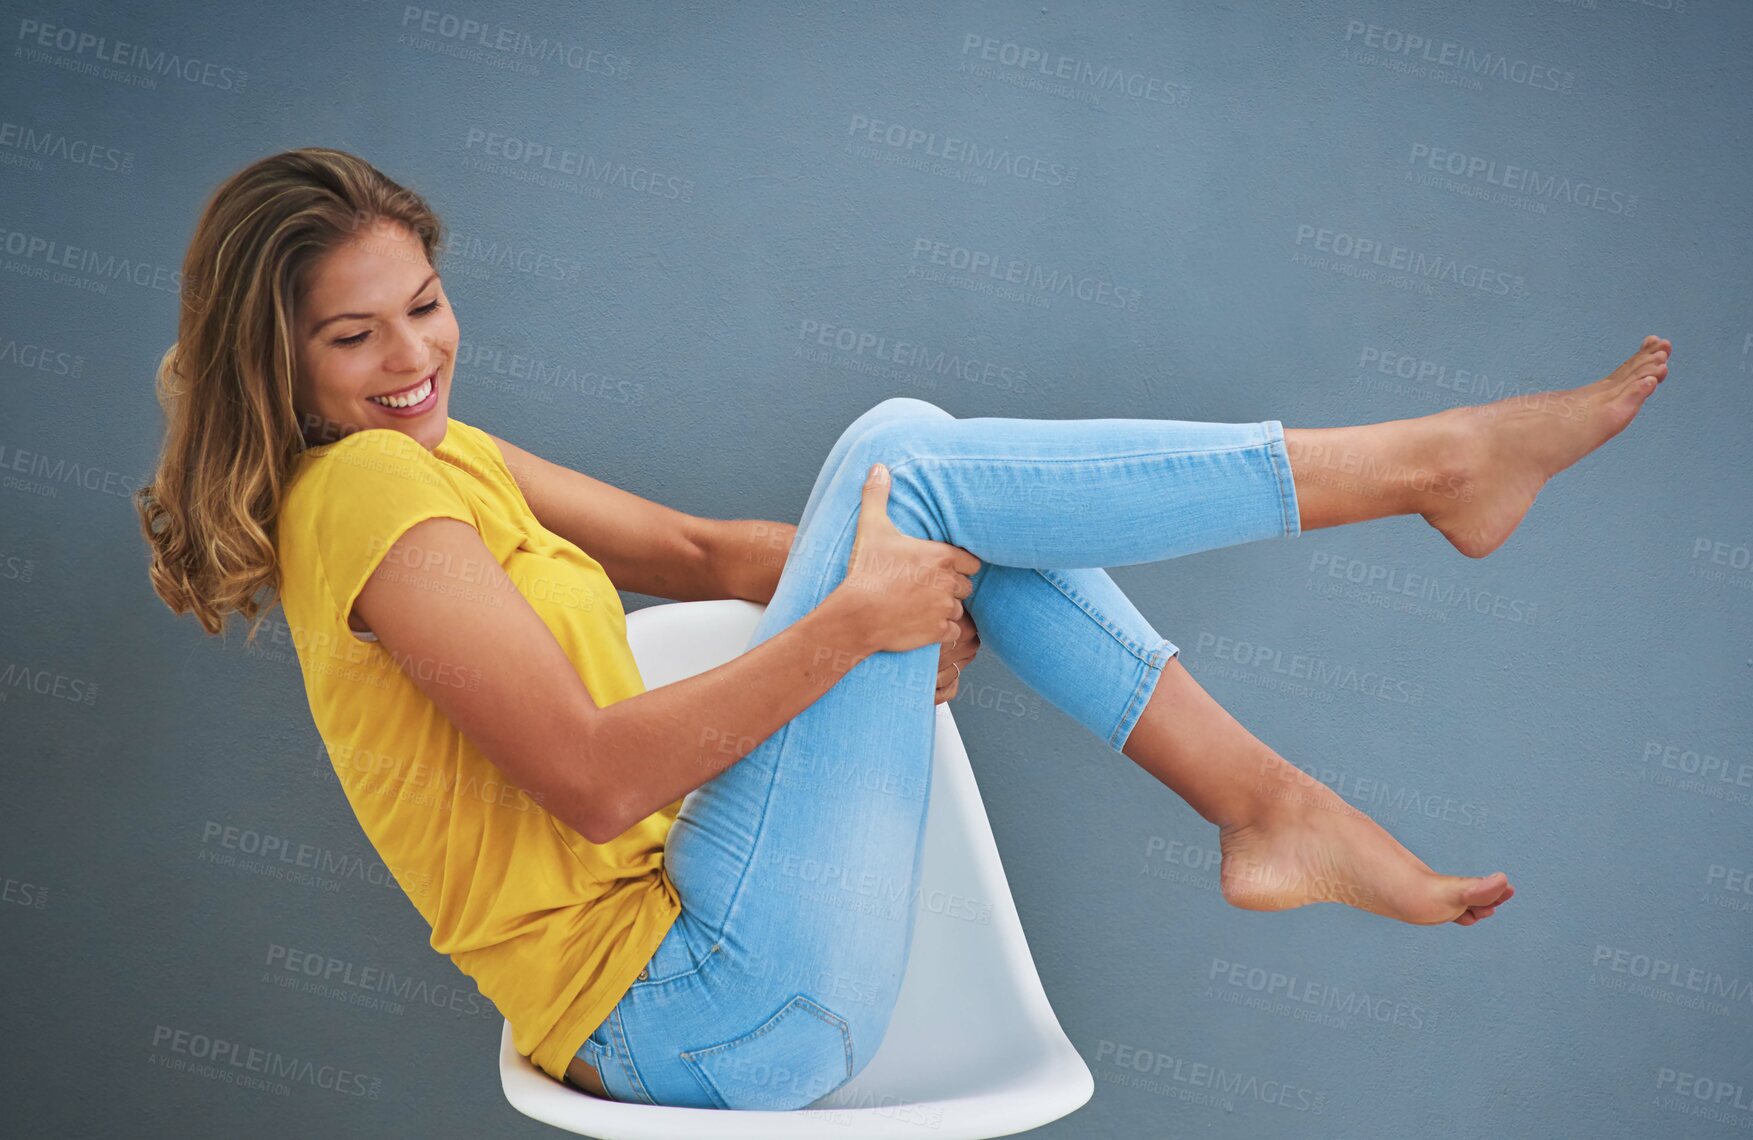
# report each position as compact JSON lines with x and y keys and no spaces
{"x":973,"y":1049}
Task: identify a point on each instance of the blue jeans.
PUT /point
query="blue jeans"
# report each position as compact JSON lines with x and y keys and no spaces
{"x":798,"y":866}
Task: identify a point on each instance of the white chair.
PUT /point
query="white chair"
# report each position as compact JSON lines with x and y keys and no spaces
{"x":973,"y":1049}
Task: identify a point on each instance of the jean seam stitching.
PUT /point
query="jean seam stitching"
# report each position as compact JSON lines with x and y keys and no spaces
{"x":688,"y":973}
{"x":784,"y":738}
{"x":706,"y":1086}
{"x":736,"y":893}
{"x":1279,"y":453}
{"x":1151,"y":668}
{"x":799,"y":1001}
{"x":1093,"y":614}
{"x":1265,"y":445}
{"x":784,"y":735}
{"x":1155,"y":452}
{"x":629,"y":1069}
{"x":594,"y":1058}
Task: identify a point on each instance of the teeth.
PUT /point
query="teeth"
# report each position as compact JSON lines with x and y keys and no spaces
{"x":407,"y":401}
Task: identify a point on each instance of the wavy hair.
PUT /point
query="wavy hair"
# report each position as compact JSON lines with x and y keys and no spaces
{"x":226,"y":385}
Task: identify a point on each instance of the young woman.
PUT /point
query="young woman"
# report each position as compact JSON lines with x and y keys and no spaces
{"x":703,"y":894}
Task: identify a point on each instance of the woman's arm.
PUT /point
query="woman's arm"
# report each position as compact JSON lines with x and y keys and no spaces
{"x":652,"y":549}
{"x":491,"y":665}
{"x":646,"y":547}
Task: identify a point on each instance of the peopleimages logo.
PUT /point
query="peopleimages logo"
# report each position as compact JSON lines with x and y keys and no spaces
{"x":1229,"y":1083}
{"x":1308,"y":667}
{"x":1685,"y":1084}
{"x":1444,"y":593}
{"x":961,"y":152}
{"x":1081,"y":73}
{"x":235,"y":1059}
{"x":1672,"y":973}
{"x":146,"y":62}
{"x":1324,"y":996}
{"x":1461,"y":57}
{"x":1521,"y":179}
{"x":363,"y":983}
{"x":1405,"y":259}
{"x":911,"y":354}
{"x":513,"y":41}
{"x":1028,"y":274}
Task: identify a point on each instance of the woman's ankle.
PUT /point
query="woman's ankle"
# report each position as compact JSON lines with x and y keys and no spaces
{"x":1397,"y":467}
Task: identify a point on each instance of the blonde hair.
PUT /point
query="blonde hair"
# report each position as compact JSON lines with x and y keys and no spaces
{"x":226,"y":385}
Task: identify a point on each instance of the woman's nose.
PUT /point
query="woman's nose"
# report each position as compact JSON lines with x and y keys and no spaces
{"x":408,"y":349}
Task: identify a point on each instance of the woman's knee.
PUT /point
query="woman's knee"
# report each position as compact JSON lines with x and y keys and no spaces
{"x":892,"y":415}
{"x":897,"y":437}
{"x":889,"y":433}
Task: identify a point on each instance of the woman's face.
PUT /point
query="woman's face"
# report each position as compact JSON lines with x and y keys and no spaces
{"x":374,"y":323}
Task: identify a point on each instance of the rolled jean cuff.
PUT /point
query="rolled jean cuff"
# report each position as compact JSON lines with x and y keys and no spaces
{"x":1149,"y":672}
{"x":1287,"y":501}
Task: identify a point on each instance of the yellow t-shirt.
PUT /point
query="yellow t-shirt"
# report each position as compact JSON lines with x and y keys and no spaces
{"x":554,"y":929}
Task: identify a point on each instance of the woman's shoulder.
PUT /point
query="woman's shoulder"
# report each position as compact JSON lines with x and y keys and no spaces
{"x":348,"y":501}
{"x":477,"y":452}
{"x":376,"y":460}
{"x":376,"y":476}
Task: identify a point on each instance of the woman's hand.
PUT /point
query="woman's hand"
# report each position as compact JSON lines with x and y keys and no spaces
{"x":954,"y":657}
{"x":906,"y":591}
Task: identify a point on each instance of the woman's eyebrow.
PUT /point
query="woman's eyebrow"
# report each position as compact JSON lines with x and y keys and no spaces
{"x":362,"y":316}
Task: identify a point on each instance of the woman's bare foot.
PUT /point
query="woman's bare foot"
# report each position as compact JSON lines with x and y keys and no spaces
{"x":1307,"y":845}
{"x":1500,"y":455}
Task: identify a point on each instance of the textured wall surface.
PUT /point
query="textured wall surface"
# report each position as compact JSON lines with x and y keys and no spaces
{"x":689,"y":244}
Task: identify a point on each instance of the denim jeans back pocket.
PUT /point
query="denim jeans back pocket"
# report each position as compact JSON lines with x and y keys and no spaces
{"x":800,"y":1054}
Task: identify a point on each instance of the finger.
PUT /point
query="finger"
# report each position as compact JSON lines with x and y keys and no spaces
{"x":875,"y":503}
{"x":959,"y":585}
{"x":958,"y":559}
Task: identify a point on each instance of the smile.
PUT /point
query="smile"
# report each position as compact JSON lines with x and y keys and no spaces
{"x":408,"y":399}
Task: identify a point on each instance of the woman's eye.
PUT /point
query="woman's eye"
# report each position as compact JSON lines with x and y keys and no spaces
{"x":359,"y":338}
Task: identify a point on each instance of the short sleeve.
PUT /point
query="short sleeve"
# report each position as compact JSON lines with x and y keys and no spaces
{"x":483,"y":452}
{"x":375,"y":485}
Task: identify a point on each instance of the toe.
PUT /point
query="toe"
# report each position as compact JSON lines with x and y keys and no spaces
{"x":1470,"y":895}
{"x":1483,"y":891}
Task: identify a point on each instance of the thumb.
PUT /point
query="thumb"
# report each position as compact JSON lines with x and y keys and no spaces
{"x":876,"y":495}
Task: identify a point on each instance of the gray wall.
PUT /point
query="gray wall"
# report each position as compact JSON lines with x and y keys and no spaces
{"x":1582,"y":704}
